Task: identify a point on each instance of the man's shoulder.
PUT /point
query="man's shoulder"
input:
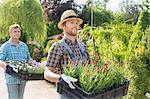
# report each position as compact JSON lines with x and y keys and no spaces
{"x":6,"y":44}
{"x":23,"y":44}
{"x":57,"y":44}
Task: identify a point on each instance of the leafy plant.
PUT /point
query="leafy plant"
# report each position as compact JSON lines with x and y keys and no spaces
{"x":111,"y":41}
{"x":95,"y":77}
{"x":138,"y":68}
{"x":49,"y":44}
{"x":52,"y":29}
{"x":27,"y":13}
{"x":26,"y":68}
{"x":36,"y":51}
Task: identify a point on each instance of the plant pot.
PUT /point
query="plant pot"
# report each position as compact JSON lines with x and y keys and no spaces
{"x":112,"y":93}
{"x":34,"y":77}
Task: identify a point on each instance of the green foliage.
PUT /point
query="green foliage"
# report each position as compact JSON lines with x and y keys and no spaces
{"x":144,"y":19}
{"x":130,"y":10}
{"x":138,"y":57}
{"x":139,"y":77}
{"x":26,"y":68}
{"x":111,"y":41}
{"x":36,"y":51}
{"x":143,"y":22}
{"x":146,"y":5}
{"x":27,"y":13}
{"x":146,"y":38}
{"x":122,"y":31}
{"x":86,"y":13}
{"x":52,"y":29}
{"x":134,"y":41}
{"x":2,"y":40}
{"x":120,"y":18}
{"x":139,"y":68}
{"x":36,"y":70}
{"x":100,"y":14}
{"x":49,"y":44}
{"x":96,"y":79}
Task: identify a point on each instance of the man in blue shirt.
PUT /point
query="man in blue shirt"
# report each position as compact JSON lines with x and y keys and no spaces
{"x":17,"y":51}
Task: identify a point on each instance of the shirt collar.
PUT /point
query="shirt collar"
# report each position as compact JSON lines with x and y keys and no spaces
{"x":70,"y":42}
{"x":12,"y":44}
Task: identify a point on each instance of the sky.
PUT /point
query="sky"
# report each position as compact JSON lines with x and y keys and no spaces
{"x":112,"y":4}
{"x":1,"y":1}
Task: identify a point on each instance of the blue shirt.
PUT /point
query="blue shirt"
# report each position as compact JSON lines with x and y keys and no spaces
{"x":9,"y":51}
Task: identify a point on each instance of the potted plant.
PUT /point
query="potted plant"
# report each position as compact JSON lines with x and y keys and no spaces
{"x":101,"y":81}
{"x":27,"y":71}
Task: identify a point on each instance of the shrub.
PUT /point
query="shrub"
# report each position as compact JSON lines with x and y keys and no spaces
{"x":36,"y":51}
{"x":96,"y":77}
{"x":139,"y":68}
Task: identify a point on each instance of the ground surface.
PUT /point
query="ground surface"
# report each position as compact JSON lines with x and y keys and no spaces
{"x":33,"y":90}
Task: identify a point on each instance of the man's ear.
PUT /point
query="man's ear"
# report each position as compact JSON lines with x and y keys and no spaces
{"x":63,"y":25}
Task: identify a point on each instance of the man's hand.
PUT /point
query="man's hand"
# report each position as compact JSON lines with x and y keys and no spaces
{"x":3,"y":64}
{"x":10,"y":69}
{"x":68,"y":80}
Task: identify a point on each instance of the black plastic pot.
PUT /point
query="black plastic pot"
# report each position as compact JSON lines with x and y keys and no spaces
{"x":33,"y":77}
{"x":23,"y":74}
{"x":79,"y":93}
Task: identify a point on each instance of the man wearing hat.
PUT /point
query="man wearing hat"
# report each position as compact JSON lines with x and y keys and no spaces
{"x":69,"y":48}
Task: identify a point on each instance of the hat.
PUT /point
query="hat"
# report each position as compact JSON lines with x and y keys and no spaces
{"x":69,"y":15}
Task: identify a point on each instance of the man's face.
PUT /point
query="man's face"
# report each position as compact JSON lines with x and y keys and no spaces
{"x":15,"y":33}
{"x":71,"y":27}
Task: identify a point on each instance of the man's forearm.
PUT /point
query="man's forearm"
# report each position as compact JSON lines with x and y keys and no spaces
{"x":51,"y":76}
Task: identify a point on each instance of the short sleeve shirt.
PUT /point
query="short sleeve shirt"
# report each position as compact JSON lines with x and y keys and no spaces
{"x":58,"y":56}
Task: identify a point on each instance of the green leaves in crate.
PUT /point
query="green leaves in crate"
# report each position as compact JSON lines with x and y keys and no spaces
{"x":95,"y":77}
{"x":26,"y":68}
{"x":35,"y":70}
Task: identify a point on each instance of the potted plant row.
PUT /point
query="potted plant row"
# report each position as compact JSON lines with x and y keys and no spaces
{"x":95,"y":81}
{"x":27,"y":71}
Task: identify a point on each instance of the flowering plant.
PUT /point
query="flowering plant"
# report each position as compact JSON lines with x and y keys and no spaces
{"x":25,"y":68}
{"x":96,"y":77}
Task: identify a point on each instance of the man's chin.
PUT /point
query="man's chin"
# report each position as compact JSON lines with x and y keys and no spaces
{"x":73,"y":34}
{"x":17,"y":38}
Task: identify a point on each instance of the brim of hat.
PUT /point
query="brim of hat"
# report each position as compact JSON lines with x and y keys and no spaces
{"x":60,"y":24}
